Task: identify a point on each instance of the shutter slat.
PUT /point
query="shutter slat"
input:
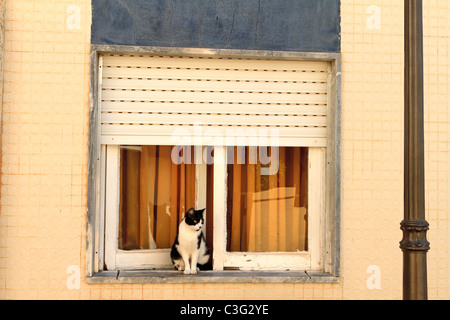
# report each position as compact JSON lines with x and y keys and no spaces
{"x":213,"y":63}
{"x":184,"y":84}
{"x":204,"y":119}
{"x":214,"y":97}
{"x":160,"y":130}
{"x":311,"y":110}
{"x":222,"y":75}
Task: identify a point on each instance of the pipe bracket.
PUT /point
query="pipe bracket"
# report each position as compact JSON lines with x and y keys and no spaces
{"x":414,"y":235}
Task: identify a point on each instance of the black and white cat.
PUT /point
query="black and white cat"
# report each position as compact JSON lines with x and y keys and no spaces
{"x":190,"y":251}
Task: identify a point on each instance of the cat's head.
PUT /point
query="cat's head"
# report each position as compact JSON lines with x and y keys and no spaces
{"x":194,"y":218}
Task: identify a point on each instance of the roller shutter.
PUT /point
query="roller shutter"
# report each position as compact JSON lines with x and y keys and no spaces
{"x":155,"y":99}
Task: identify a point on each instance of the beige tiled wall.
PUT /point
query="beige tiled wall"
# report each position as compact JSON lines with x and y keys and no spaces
{"x":437,"y":143}
{"x":45,"y":145}
{"x":372,"y":146}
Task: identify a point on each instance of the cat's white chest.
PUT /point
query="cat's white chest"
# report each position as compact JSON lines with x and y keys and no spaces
{"x":188,"y":239}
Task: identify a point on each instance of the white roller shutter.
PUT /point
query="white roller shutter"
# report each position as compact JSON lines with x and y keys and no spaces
{"x":159,"y":99}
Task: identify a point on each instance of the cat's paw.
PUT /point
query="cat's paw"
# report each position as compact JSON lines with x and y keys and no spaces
{"x":179,"y":268}
{"x":187,"y":271}
{"x":194,"y":271}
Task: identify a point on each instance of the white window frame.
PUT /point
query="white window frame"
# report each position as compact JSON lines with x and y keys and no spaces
{"x":116,"y":259}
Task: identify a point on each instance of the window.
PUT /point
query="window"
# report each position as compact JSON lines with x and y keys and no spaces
{"x":147,"y":195}
{"x":272,"y":221}
{"x":154,"y":194}
{"x":246,"y":138}
{"x":268,"y":217}
{"x":268,"y":213}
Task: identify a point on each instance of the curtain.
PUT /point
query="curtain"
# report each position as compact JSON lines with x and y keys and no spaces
{"x":267,"y":213}
{"x":155,"y":193}
{"x":264,"y":213}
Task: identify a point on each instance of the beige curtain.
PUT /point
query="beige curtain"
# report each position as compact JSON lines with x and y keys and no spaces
{"x":268,"y":213}
{"x":154,"y":195}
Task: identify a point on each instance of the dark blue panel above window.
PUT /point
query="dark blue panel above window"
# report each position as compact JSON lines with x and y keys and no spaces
{"x":281,"y":25}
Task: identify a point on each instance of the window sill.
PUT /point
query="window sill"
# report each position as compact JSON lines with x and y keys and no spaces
{"x":172,"y":276}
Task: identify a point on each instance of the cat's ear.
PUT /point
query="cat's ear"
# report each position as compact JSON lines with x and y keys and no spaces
{"x":203,"y":212}
{"x":190,"y":212}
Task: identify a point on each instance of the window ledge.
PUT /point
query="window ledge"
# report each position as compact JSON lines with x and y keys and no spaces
{"x":234,"y":276}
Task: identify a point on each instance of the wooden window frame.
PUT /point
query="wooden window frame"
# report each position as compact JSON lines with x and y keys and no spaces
{"x":329,"y":262}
